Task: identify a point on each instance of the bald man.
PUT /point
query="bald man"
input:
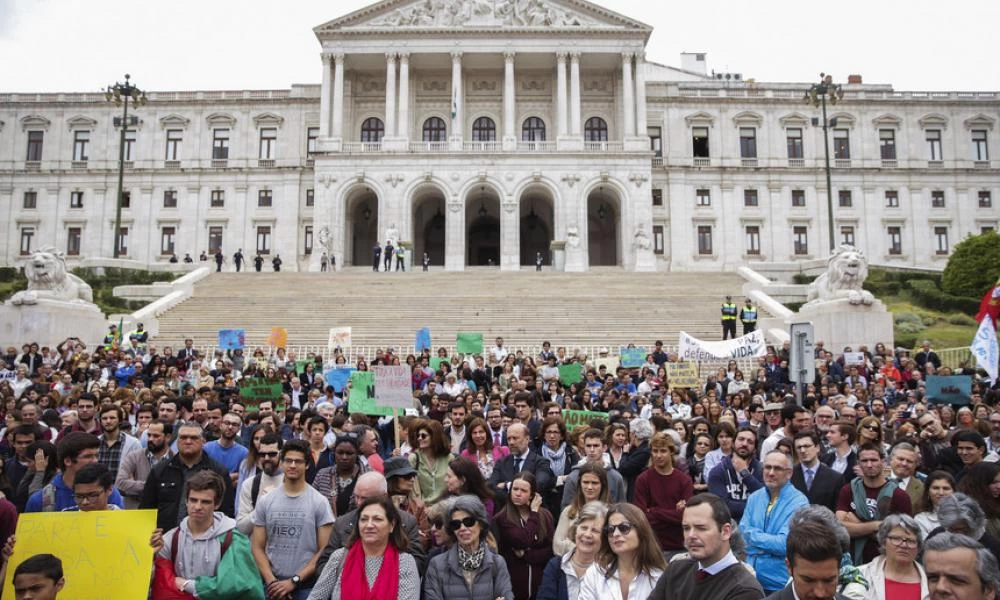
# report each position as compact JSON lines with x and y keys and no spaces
{"x":521,"y":458}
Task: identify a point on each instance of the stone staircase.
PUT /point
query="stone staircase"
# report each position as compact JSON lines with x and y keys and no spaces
{"x":604,"y":307}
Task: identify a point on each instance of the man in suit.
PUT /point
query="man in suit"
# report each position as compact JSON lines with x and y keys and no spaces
{"x":903,"y":462}
{"x":818,"y":482}
{"x":521,"y":458}
{"x":842,"y":457}
{"x":816,"y":577}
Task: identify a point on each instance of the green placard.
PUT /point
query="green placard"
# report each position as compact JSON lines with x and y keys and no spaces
{"x":435,"y":362}
{"x":300,"y":366}
{"x":253,"y":395}
{"x":469,"y":343}
{"x":362,"y":397}
{"x":581,"y":418}
{"x":571,"y":373}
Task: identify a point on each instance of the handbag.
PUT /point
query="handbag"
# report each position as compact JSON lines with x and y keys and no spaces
{"x":165,"y":575}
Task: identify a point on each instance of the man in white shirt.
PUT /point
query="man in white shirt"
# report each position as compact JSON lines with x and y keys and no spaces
{"x":498,"y":351}
{"x":268,"y":477}
{"x":794,"y":419}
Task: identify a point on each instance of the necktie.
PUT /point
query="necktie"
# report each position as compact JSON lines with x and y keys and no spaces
{"x":496,"y":439}
{"x":702,"y":575}
{"x":517,"y":465}
{"x":809,"y":479}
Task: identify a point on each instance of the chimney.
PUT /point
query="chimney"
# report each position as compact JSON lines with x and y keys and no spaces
{"x":854,"y":79}
{"x":695,"y":62}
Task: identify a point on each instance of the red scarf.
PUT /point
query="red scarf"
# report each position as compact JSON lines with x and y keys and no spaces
{"x":354,"y":582}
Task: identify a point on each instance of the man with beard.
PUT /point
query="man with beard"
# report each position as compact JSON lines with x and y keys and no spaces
{"x":134,"y":468}
{"x":268,"y":477}
{"x":738,"y":475}
{"x":86,"y":409}
{"x":794,"y":419}
{"x":225,"y":450}
{"x":115,"y":443}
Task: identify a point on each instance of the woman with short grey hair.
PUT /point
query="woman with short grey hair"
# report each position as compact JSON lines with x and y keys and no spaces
{"x":896,"y":573}
{"x":959,"y":513}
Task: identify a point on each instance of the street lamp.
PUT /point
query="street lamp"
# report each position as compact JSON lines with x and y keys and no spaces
{"x":817,"y":95}
{"x":120,"y":93}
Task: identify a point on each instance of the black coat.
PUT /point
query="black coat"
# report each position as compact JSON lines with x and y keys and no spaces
{"x":164,"y":489}
{"x":788,"y":594}
{"x":503,"y":472}
{"x":633,"y":464}
{"x":826,"y":485}
{"x":852,"y":460}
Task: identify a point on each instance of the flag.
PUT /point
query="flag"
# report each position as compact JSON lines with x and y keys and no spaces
{"x":121,"y":332}
{"x":985,"y":347}
{"x":990,"y":305}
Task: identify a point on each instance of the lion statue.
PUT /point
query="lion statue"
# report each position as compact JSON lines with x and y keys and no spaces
{"x":48,"y":278}
{"x":846,"y":270}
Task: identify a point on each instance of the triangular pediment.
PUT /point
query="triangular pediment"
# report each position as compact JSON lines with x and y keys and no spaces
{"x":81,"y":122}
{"x":34,"y":122}
{"x":794,"y":119}
{"x":980,"y":120}
{"x":565,"y":15}
{"x":174,"y":120}
{"x":268,"y":119}
{"x":221,"y":119}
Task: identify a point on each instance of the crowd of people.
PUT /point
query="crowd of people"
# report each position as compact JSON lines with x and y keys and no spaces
{"x":729,"y":490}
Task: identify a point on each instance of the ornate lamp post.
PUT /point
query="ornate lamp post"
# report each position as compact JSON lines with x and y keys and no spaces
{"x":120,"y":93}
{"x":817,"y":95}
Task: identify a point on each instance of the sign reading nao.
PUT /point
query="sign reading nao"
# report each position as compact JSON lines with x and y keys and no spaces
{"x":748,"y":346}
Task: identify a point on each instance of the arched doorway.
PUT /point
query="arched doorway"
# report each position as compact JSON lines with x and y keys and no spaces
{"x":428,"y":226}
{"x":361,"y":226}
{"x":602,"y":228}
{"x":482,"y":226}
{"x":537,"y":223}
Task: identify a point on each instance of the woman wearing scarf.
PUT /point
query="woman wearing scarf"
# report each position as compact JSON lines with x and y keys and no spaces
{"x":562,"y":458}
{"x":373,"y":564}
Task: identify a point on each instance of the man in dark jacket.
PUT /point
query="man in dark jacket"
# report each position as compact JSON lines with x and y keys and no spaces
{"x":521,"y":458}
{"x":816,"y":577}
{"x":739,"y":475}
{"x":637,"y":459}
{"x":164,"y":488}
{"x":820,"y":484}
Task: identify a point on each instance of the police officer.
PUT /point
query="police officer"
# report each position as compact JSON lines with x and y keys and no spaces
{"x":258,"y":262}
{"x":111,"y":338}
{"x":388,"y":255}
{"x":276,"y":263}
{"x":729,"y":318}
{"x":218,"y":260}
{"x":238,"y":259}
{"x":748,"y":316}
{"x":400,"y":259}
{"x":376,"y":256}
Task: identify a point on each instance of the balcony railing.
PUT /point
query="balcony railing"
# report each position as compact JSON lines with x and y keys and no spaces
{"x":171,"y":164}
{"x":981,"y":164}
{"x":657,"y":162}
{"x":220,"y":163}
{"x":429,"y":146}
{"x":482,"y":146}
{"x":889,"y":163}
{"x":536,"y":146}
{"x":33,"y":165}
{"x":702,"y":162}
{"x":748,"y":162}
{"x":796,"y":162}
{"x":603,"y":146}
{"x":842,"y":163}
{"x":79,"y":164}
{"x":362,"y":147}
{"x":935,"y":164}
{"x":265,"y":163}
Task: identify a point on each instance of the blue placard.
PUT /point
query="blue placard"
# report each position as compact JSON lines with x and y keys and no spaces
{"x":232,"y":339}
{"x":954,"y":389}
{"x":632,"y":357}
{"x":338,"y":377}
{"x":423,"y":341}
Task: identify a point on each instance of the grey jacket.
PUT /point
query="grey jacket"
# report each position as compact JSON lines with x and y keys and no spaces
{"x":344,"y":525}
{"x":445,"y":580}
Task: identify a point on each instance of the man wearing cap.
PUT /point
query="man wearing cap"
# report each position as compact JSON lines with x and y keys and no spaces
{"x":729,"y":318}
{"x":401,"y":478}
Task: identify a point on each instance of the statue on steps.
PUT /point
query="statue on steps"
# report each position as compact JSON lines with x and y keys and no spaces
{"x":640,"y":241}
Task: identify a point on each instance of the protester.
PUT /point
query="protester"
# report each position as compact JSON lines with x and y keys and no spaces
{"x":430,"y":457}
{"x":593,"y":486}
{"x":739,"y":475}
{"x":524,"y":535}
{"x":521,"y":459}
{"x":938,"y":485}
{"x":818,"y":482}
{"x":268,"y":477}
{"x":564,"y":572}
{"x":813,"y":559}
{"x":75,"y":450}
{"x":979,"y":484}
{"x":959,"y":567}
{"x":896,"y":574}
{"x":629,"y":563}
{"x":662,"y":492}
{"x":594,"y":452}
{"x":136,"y":467}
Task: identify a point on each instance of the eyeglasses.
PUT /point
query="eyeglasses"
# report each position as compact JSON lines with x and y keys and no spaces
{"x":623,"y":528}
{"x":267,"y":454}
{"x":88,"y":498}
{"x":423,"y":435}
{"x":902,"y":542}
{"x":870,"y":427}
{"x":293,"y":461}
{"x":467,"y":522}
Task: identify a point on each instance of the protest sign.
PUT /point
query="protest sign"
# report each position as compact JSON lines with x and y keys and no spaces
{"x":6,"y":375}
{"x":954,"y":389}
{"x":340,"y":337}
{"x":393,"y":388}
{"x":632,"y":357}
{"x":423,"y":340}
{"x":338,"y":377}
{"x":435,"y":362}
{"x":278,"y":337}
{"x":232,"y":339}
{"x":750,"y":345}
{"x":300,"y":366}
{"x":610,"y":362}
{"x":854,"y":359}
{"x":581,"y":418}
{"x":571,"y":373}
{"x":253,"y":395}
{"x":469,"y":343}
{"x":362,"y":396}
{"x":683,"y":375}
{"x":104,"y":554}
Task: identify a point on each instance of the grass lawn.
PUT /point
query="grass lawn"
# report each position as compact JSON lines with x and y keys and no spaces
{"x":944,"y":330}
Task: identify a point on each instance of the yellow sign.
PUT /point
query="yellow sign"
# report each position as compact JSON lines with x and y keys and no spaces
{"x":105,"y":554}
{"x":683,"y":375}
{"x":278,"y":337}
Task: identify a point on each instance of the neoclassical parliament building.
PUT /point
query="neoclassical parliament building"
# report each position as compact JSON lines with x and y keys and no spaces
{"x":480,"y":132}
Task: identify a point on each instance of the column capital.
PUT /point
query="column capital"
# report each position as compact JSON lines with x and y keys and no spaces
{"x":326,"y":57}
{"x":627,"y":57}
{"x":404,"y":57}
{"x":640,"y":56}
{"x":574,"y":56}
{"x":390,"y":57}
{"x":339,"y":57}
{"x":508,"y":55}
{"x":456,"y":56}
{"x":561,"y":56}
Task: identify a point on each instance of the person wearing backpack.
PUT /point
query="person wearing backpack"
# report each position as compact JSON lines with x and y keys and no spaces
{"x":205,"y":556}
{"x":75,"y":450}
{"x":268,"y":477}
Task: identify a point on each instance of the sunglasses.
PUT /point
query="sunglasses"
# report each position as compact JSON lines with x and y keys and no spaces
{"x":467,"y":522}
{"x":267,"y":454}
{"x":423,"y":435}
{"x":870,"y":427}
{"x":624,"y":527}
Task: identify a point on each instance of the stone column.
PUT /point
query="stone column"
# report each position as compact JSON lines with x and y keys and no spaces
{"x":403,"y":124}
{"x":454,"y":235}
{"x":640,"y":95}
{"x":509,"y":129}
{"x":510,"y":234}
{"x":325,"y":96}
{"x":457,"y":99}
{"x":338,"y":96}
{"x":628,"y":96}
{"x":576,"y":128}
{"x":390,"y":94}
{"x":561,"y":101}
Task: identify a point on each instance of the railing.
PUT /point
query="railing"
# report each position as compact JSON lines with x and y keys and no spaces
{"x":935,"y":164}
{"x":842,"y":163}
{"x":536,"y":146}
{"x":171,"y":164}
{"x":33,"y":165}
{"x":79,"y":164}
{"x":702,"y":162}
{"x":953,"y":357}
{"x":981,"y":164}
{"x":889,"y":163}
{"x":482,"y":146}
{"x":265,"y":163}
{"x":603,"y":146}
{"x":220,"y":163}
{"x":362,"y":147}
{"x":429,"y":146}
{"x":748,"y":162}
{"x":128,"y":164}
{"x":796,"y":162}
{"x":657,"y":162}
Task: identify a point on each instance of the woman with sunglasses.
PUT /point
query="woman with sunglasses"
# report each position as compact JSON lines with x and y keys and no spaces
{"x":470,"y":569}
{"x":524,"y":535}
{"x":430,"y":457}
{"x":629,"y":562}
{"x":870,"y":432}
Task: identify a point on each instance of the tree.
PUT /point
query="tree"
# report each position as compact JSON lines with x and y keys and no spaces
{"x":973,"y":267}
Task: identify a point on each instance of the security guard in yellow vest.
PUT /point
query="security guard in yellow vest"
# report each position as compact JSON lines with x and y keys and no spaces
{"x":748,"y":316}
{"x":729,"y":318}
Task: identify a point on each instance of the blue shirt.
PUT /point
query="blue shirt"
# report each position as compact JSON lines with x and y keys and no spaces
{"x":64,"y":497}
{"x":231,"y":458}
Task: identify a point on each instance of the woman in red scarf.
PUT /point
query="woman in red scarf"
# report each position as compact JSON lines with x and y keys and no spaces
{"x":373,"y":565}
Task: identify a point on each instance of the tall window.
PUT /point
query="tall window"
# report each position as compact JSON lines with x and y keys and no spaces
{"x":312,"y":134}
{"x":937,"y":198}
{"x":264,"y":198}
{"x":268,"y":143}
{"x":264,"y":239}
{"x":595,"y":130}
{"x":985,"y":199}
{"x":174,"y":137}
{"x":750,"y":198}
{"x":310,"y":197}
{"x":703,"y":197}
{"x":372,"y":130}
{"x":847,"y":235}
{"x":167,"y":235}
{"x":218,"y":199}
{"x":748,"y":142}
{"x":435,"y":130}
{"x":484,"y":130}
{"x":81,"y":145}
{"x":220,"y":144}
{"x":657,"y":197}
{"x":934,"y":144}
{"x":891,"y":199}
{"x":126,"y":199}
{"x":170,"y":199}
{"x":214,"y":239}
{"x":753,"y":240}
{"x":76,"y":199}
{"x":887,"y":143}
{"x":793,"y":137}
{"x":895,"y":239}
{"x":846,"y":199}
{"x":130,"y":137}
{"x":27,"y":236}
{"x":941,"y":240}
{"x":658,"y":242}
{"x":35,"y":139}
{"x":699,"y":142}
{"x":73,"y":235}
{"x":980,"y":151}
{"x":123,"y":241}
{"x":655,"y":140}
{"x":533,"y":130}
{"x":798,"y":198}
{"x":800,"y":237}
{"x":30,"y":200}
{"x":841,"y":144}
{"x":307,"y":240}
{"x":704,"y":239}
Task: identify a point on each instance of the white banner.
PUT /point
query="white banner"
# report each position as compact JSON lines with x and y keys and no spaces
{"x":750,"y":345}
{"x":7,"y":375}
{"x":340,"y":337}
{"x":393,"y":388}
{"x":985,"y":347}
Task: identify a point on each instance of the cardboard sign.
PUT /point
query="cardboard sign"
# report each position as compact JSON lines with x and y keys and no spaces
{"x":393,"y":388}
{"x":581,"y":418}
{"x":252,"y":395}
{"x":683,"y":375}
{"x":104,"y":554}
{"x":278,"y":337}
{"x":338,"y":377}
{"x":747,"y":346}
{"x":571,"y":373}
{"x":423,"y":340}
{"x":435,"y":362}
{"x":232,"y":339}
{"x":6,"y":375}
{"x":954,"y":389}
{"x":469,"y":343}
{"x":854,"y":359}
{"x":340,"y":337}
{"x":362,"y":396}
{"x":632,"y":357}
{"x":609,"y":362}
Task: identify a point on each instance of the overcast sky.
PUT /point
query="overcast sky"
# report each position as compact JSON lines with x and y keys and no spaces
{"x":83,"y":45}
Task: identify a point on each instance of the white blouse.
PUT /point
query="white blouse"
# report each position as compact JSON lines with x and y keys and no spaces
{"x":596,"y":586}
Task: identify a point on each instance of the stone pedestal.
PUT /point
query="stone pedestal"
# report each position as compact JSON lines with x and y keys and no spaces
{"x":49,"y":322}
{"x":558,"y":256}
{"x":838,"y":323}
{"x":576,"y":259}
{"x":645,"y":260}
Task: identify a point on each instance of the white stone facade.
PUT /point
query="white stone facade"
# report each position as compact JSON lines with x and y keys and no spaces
{"x":428,"y":122}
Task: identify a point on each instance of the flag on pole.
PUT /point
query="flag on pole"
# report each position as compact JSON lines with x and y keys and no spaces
{"x":985,"y":347}
{"x":121,"y":333}
{"x":990,"y":305}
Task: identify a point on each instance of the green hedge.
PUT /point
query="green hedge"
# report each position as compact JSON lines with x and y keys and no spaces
{"x":974,"y":266}
{"x":8,"y":274}
{"x":802,"y":278}
{"x":927,"y":294}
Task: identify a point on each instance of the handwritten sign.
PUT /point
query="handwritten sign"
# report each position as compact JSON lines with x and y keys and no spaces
{"x":232,"y":339}
{"x":608,"y":362}
{"x":253,"y":395}
{"x":469,"y":343}
{"x":581,"y":418}
{"x":104,"y":554}
{"x":571,"y":373}
{"x":632,"y":357}
{"x":393,"y":388}
{"x":747,"y":346}
{"x":6,"y":375}
{"x":278,"y":337}
{"x":362,"y":396}
{"x":854,"y":359}
{"x":954,"y":389}
{"x":683,"y":375}
{"x":340,"y":337}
